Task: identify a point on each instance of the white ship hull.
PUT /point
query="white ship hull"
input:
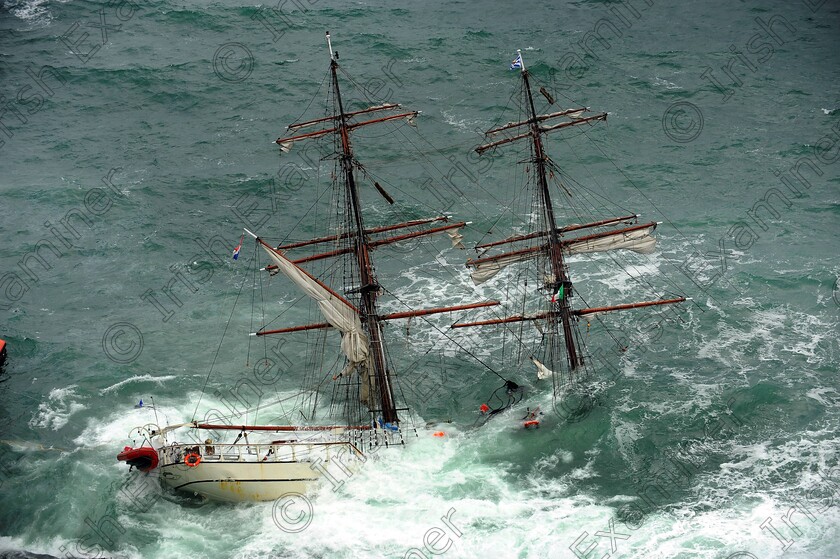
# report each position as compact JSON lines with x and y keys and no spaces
{"x":248,"y":472}
{"x":242,"y":481}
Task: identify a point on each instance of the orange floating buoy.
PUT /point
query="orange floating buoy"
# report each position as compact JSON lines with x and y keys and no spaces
{"x":531,"y":423}
{"x":484,"y":408}
{"x":438,"y":434}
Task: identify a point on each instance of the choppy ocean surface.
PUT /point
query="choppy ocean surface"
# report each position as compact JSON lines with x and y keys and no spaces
{"x":135,"y":143}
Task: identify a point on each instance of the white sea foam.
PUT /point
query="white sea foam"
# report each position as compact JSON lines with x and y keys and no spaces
{"x":821,"y":395}
{"x":55,"y":412}
{"x":33,"y":11}
{"x":387,"y":507}
{"x":55,"y":547}
{"x":765,"y":335}
{"x":113,"y":431}
{"x":668,"y":85}
{"x":463,"y":124}
{"x":138,"y":378}
{"x":810,"y":333}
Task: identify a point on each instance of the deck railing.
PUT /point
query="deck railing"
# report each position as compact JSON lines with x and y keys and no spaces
{"x":287,"y":451}
{"x":244,"y":452}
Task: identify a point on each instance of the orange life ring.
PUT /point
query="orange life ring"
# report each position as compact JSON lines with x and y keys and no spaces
{"x":192,"y":459}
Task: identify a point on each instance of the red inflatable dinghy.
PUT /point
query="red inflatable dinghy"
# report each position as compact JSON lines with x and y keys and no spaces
{"x":144,"y":458}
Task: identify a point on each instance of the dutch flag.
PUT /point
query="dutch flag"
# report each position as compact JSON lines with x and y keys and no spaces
{"x":238,"y":248}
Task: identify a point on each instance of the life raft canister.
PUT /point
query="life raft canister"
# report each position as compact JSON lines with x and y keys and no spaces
{"x":144,"y":458}
{"x":192,"y":459}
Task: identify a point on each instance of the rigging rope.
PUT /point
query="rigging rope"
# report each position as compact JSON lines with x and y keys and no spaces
{"x":216,"y":356}
{"x":448,"y":337}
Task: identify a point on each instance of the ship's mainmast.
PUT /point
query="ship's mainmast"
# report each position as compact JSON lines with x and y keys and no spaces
{"x":560,"y":276}
{"x":636,"y":237}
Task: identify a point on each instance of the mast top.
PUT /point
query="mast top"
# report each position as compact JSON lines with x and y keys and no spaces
{"x":518,"y":62}
{"x":333,"y":56}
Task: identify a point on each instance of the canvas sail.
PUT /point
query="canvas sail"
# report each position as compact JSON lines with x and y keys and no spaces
{"x":640,"y":240}
{"x":543,"y":372}
{"x":336,"y":311}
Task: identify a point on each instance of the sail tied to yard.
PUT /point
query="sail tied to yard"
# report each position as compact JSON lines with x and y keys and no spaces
{"x":336,"y":310}
{"x":637,"y":239}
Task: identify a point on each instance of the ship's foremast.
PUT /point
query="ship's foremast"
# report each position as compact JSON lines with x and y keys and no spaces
{"x":377,"y":388}
{"x":369,"y":289}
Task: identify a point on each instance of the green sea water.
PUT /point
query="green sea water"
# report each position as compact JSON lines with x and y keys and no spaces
{"x":137,"y":144}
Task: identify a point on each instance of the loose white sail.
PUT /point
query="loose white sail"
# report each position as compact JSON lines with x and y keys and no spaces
{"x":543,"y":372}
{"x":336,"y":311}
{"x":456,"y":237}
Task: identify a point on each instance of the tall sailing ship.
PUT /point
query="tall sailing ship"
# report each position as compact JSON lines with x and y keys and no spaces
{"x":541,"y":249}
{"x":265,"y":462}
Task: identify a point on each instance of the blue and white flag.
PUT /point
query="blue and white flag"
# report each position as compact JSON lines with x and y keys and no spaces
{"x":517,"y":62}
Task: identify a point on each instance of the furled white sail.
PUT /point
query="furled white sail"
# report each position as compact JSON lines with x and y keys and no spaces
{"x":486,"y":270}
{"x":638,"y":240}
{"x":337,"y":312}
